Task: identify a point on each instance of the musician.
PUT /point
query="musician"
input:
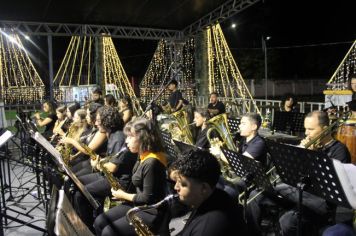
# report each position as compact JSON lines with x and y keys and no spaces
{"x":48,"y":122}
{"x":59,"y":127}
{"x":214,"y":212}
{"x":290,"y":103}
{"x":96,"y":96}
{"x":314,"y":124}
{"x":201,"y":116}
{"x":252,"y":144}
{"x":175,"y":100}
{"x":110,"y":100}
{"x":71,"y":109}
{"x":120,"y":165}
{"x":96,"y":141}
{"x":215,"y":107}
{"x":125,"y":108}
{"x":148,"y":179}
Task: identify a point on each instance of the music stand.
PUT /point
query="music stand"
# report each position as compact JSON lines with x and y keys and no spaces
{"x":169,"y":146}
{"x":289,"y":122}
{"x":184,"y":148}
{"x":62,"y":166}
{"x":251,"y":170}
{"x":233,"y":124}
{"x":309,"y":171}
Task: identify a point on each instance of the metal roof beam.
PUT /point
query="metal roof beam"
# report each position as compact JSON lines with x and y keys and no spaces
{"x":218,"y":15}
{"x":58,"y":29}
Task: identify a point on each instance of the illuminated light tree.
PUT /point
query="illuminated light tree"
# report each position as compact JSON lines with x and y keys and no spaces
{"x":19,"y":80}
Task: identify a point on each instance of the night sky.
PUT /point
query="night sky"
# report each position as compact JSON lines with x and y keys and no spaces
{"x":308,"y":40}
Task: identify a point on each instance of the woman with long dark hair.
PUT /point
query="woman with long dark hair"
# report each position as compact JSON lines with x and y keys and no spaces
{"x":48,"y":122}
{"x":148,"y":182}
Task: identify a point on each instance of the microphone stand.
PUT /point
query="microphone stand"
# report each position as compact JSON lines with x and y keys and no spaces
{"x":152,"y":103}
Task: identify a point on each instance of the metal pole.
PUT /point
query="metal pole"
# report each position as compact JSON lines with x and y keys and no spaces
{"x":50,"y":66}
{"x":264,"y":47}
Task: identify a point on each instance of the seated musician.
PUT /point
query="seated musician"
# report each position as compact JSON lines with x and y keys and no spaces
{"x":317,"y":212}
{"x":315,"y":122}
{"x":201,"y":116}
{"x":48,"y":122}
{"x":175,"y":100}
{"x":252,"y":144}
{"x":148,"y":181}
{"x":61,"y":125}
{"x":120,"y":165}
{"x":214,"y":212}
{"x":95,"y":140}
{"x":71,"y":109}
{"x":215,"y":107}
{"x":125,"y":109}
{"x":290,"y":103}
{"x":110,"y":100}
{"x":97,"y":96}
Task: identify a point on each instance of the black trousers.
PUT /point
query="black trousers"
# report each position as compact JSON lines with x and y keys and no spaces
{"x":99,"y":188}
{"x":114,"y":222}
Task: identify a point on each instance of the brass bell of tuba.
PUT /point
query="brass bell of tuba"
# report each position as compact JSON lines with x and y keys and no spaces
{"x":181,"y":117}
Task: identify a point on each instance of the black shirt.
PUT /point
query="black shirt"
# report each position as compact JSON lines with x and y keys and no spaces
{"x":49,"y":127}
{"x":174,"y":98}
{"x":218,"y":106}
{"x":256,"y":147}
{"x":149,"y":179}
{"x":202,"y":140}
{"x":116,"y":142}
{"x":218,"y":215}
{"x":338,"y":151}
{"x":125,"y":163}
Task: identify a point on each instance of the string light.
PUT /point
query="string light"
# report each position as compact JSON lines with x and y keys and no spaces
{"x":339,"y":82}
{"x":19,"y":80}
{"x":166,"y":53}
{"x":223,"y":74}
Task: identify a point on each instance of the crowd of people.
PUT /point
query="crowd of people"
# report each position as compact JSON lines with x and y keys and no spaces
{"x":105,"y":137}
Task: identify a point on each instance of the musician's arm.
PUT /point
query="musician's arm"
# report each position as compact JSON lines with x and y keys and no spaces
{"x":43,"y":122}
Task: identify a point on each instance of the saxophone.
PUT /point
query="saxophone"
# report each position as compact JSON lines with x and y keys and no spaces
{"x":114,"y":183}
{"x":141,"y":228}
{"x":65,"y":149}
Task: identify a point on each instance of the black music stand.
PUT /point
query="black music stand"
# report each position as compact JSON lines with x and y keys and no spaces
{"x":184,"y":148}
{"x":308,"y":171}
{"x":251,"y":170}
{"x":233,"y":124}
{"x":169,"y":146}
{"x":62,"y":166}
{"x":288,"y":122}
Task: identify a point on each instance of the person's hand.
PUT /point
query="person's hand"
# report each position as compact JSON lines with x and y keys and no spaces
{"x":37,"y":116}
{"x":117,"y":194}
{"x":215,"y":150}
{"x":67,"y":140}
{"x":94,"y":163}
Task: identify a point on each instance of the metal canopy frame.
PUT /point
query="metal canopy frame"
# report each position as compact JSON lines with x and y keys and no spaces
{"x":226,"y":10}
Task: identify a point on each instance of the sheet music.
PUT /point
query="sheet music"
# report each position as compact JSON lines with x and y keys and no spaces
{"x":346,"y":174}
{"x":5,"y":137}
{"x":48,"y":146}
{"x":55,"y":153}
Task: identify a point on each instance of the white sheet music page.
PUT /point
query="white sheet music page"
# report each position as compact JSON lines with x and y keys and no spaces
{"x":5,"y":137}
{"x":346,"y":174}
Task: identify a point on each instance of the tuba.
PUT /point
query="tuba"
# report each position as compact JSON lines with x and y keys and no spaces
{"x":219,"y":123}
{"x":181,"y":117}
